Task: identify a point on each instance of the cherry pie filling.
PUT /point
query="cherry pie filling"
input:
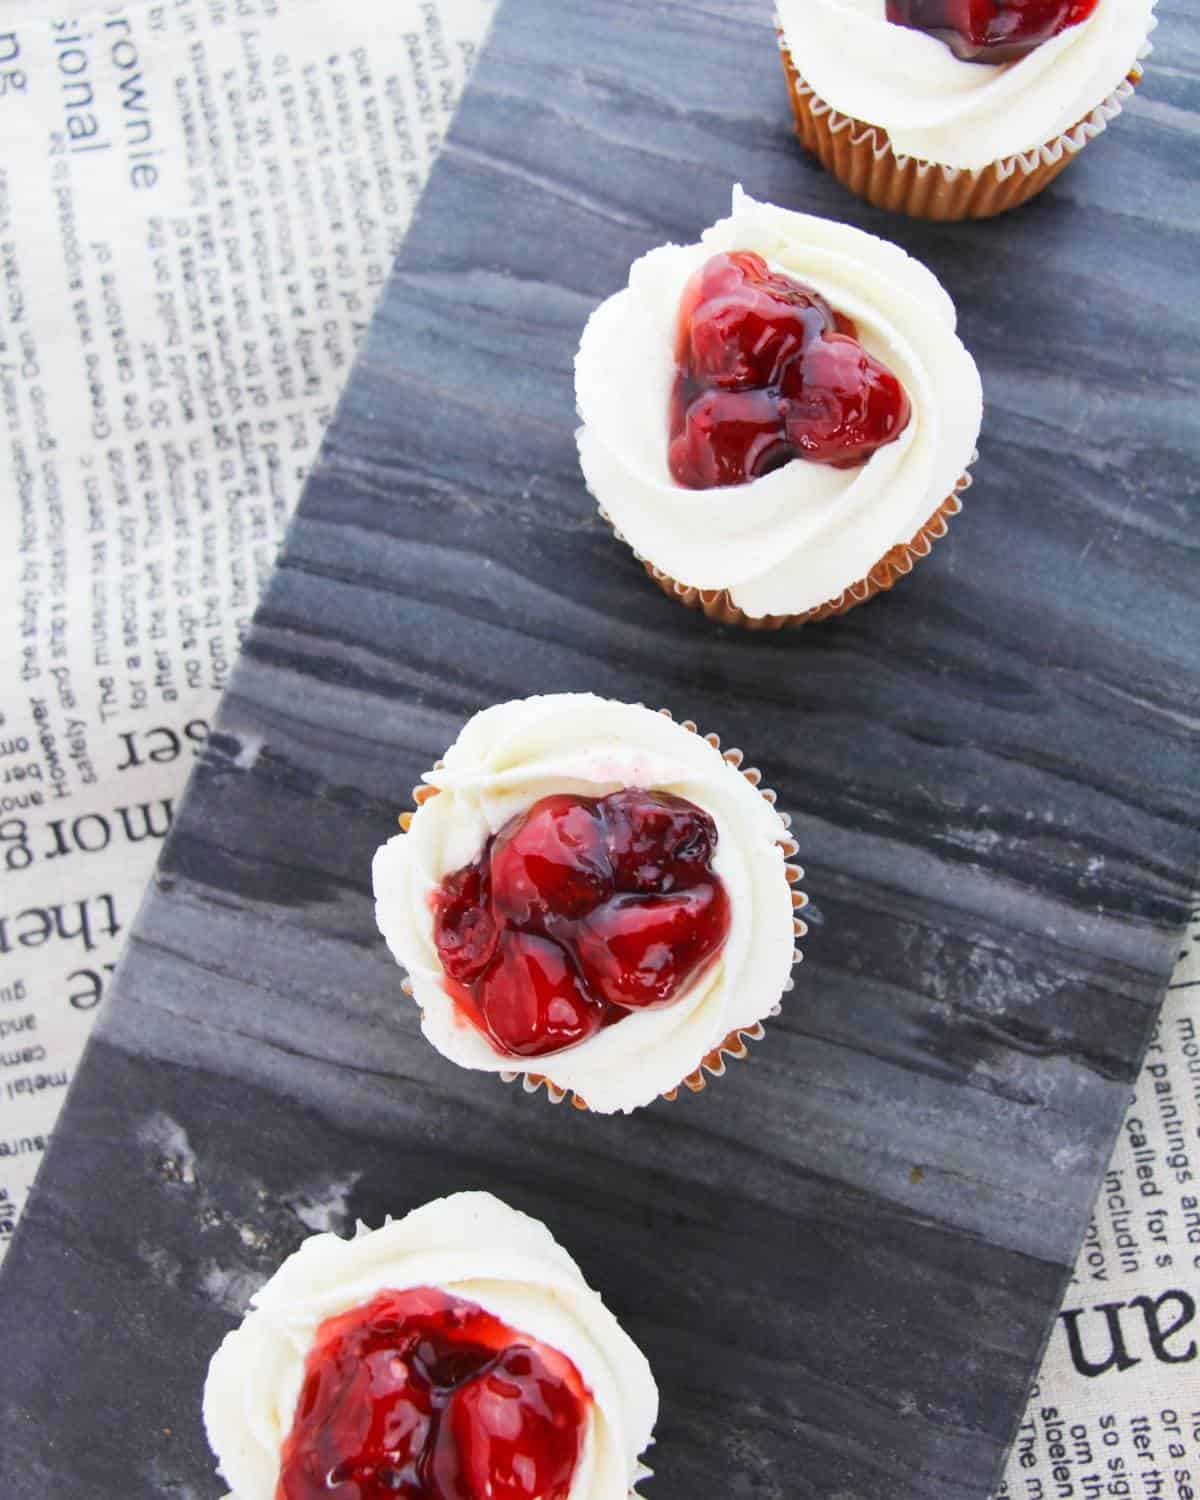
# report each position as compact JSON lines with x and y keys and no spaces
{"x":579,"y":912}
{"x":767,"y":372}
{"x":990,"y":31}
{"x":425,"y":1396}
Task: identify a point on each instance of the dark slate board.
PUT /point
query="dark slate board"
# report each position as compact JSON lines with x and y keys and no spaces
{"x":842,"y":1258}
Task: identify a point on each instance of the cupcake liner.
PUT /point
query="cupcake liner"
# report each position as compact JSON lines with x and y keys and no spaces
{"x":862,"y":158}
{"x":733,"y":1047}
{"x":895,"y":564}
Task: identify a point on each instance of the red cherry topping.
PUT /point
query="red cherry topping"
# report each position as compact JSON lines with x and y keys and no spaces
{"x":503,"y":1424}
{"x":767,"y":372}
{"x":990,"y":31}
{"x":577,"y":912}
{"x":550,"y":861}
{"x":425,"y":1396}
{"x":634,"y":950}
{"x":656,"y":842}
{"x":467,"y":933}
{"x":533,"y":1000}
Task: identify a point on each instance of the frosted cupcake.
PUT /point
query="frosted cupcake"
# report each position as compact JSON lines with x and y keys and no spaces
{"x":593,"y":897}
{"x":945,"y":109}
{"x":457,"y":1351}
{"x":779,"y":419}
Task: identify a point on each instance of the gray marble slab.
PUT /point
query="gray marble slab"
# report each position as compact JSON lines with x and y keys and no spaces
{"x":844,"y":1257}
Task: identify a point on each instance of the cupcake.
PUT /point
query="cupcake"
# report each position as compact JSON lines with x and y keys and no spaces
{"x":951,"y":110}
{"x":591,"y":897}
{"x":457,"y":1351}
{"x":779,"y":419}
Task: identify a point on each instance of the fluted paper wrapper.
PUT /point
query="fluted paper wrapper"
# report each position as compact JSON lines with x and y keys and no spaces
{"x":895,"y":564}
{"x":861,"y":157}
{"x":734,"y":1047}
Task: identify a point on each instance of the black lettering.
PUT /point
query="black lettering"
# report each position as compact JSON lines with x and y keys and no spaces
{"x":139,"y":821}
{"x":14,"y":835}
{"x":91,"y":833}
{"x":56,"y":826}
{"x":1118,"y":1356}
{"x":1159,"y":1335}
{"x":92,"y":992}
{"x":132,"y":757}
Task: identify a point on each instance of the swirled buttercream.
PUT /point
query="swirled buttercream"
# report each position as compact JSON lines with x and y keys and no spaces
{"x":510,"y":756}
{"x":938,"y":108}
{"x":472,"y":1246}
{"x":797,"y":537}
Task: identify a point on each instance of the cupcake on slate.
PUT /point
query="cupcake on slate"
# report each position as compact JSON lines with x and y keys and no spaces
{"x":455,"y":1352}
{"x":779,"y":419}
{"x":955,"y":109}
{"x":592,"y":897}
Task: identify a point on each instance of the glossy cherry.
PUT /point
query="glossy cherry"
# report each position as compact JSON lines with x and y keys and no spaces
{"x":578,"y":912}
{"x":425,"y":1396}
{"x":637,"y":950}
{"x":990,"y":31}
{"x":466,"y":930}
{"x":767,"y":371}
{"x":656,"y":842}
{"x":516,"y":1432}
{"x":533,"y":999}
{"x":551,"y":861}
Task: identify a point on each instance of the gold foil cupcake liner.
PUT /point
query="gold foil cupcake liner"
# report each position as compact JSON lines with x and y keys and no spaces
{"x":862,"y":158}
{"x":895,"y":564}
{"x":734,"y":1046}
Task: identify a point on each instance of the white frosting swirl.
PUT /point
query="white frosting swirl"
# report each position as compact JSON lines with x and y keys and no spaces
{"x":938,"y":108}
{"x":799,"y":536}
{"x":510,"y":756}
{"x":470,"y":1245}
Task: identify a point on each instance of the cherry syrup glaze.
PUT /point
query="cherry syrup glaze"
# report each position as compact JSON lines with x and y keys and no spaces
{"x":578,"y":912}
{"x":990,"y":31}
{"x":425,"y":1396}
{"x":767,"y":371}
